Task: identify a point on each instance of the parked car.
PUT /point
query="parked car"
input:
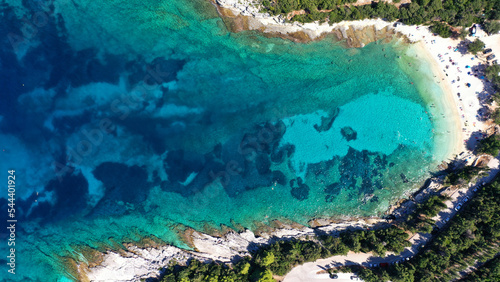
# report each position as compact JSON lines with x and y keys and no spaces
{"x":384,"y":264}
{"x":465,"y":199}
{"x":486,"y":51}
{"x":476,"y":188}
{"x":334,"y":276}
{"x":491,"y":57}
{"x":457,"y":208}
{"x":446,"y":220}
{"x":373,"y":265}
{"x":355,"y":278}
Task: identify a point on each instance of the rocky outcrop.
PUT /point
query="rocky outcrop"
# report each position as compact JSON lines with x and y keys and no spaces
{"x":136,"y":263}
{"x":244,"y":15}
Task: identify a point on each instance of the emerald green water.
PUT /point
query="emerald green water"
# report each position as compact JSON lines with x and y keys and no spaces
{"x":210,"y":128}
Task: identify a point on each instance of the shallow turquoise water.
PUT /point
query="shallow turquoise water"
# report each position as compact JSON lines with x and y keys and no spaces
{"x":208,"y":128}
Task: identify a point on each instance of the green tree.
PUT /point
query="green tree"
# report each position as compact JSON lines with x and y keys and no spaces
{"x":436,"y":5}
{"x":423,"y":3}
{"x":244,"y":269}
{"x":490,"y":145}
{"x":266,"y":258}
{"x":492,"y":27}
{"x":496,"y":116}
{"x":490,"y":271}
{"x":442,"y":29}
{"x":266,"y":276}
{"x":462,"y":34}
{"x":492,"y":72}
{"x":475,"y":46}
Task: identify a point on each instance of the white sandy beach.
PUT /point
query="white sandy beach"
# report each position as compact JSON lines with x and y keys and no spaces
{"x":449,"y":66}
{"x":454,"y":70}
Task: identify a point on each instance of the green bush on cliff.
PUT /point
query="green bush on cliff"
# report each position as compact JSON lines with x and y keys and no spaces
{"x":265,"y":259}
{"x":489,"y":145}
{"x":454,"y":13}
{"x":265,"y":276}
{"x":463,"y":175}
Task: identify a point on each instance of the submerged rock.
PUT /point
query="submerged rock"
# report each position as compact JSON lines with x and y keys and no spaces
{"x":327,"y":122}
{"x":332,"y":191}
{"x":279,"y":177}
{"x":300,"y":191}
{"x":404,"y":178}
{"x":126,"y":187}
{"x":262,"y":164}
{"x":349,"y":133}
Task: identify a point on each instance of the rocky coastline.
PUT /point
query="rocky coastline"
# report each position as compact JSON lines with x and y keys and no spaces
{"x":244,"y":15}
{"x":141,"y":262}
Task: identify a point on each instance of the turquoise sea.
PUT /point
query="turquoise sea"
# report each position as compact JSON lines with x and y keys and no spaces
{"x":128,"y":119}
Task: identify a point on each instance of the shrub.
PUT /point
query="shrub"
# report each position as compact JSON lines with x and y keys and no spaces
{"x":442,"y":29}
{"x":492,"y":27}
{"x":475,"y":46}
{"x":489,"y":145}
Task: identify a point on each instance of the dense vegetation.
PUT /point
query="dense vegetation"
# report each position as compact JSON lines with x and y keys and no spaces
{"x":496,"y":116}
{"x":442,"y":29}
{"x":462,"y":175}
{"x":492,"y":27}
{"x":490,"y":271}
{"x":493,"y":74}
{"x":452,"y":12}
{"x":421,"y":219}
{"x":280,"y":257}
{"x":472,"y":235}
{"x":490,"y":145}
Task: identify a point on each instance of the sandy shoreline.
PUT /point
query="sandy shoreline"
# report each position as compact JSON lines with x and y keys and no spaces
{"x":137,"y":263}
{"x":451,"y":70}
{"x":455,"y":145}
{"x":465,"y":122}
